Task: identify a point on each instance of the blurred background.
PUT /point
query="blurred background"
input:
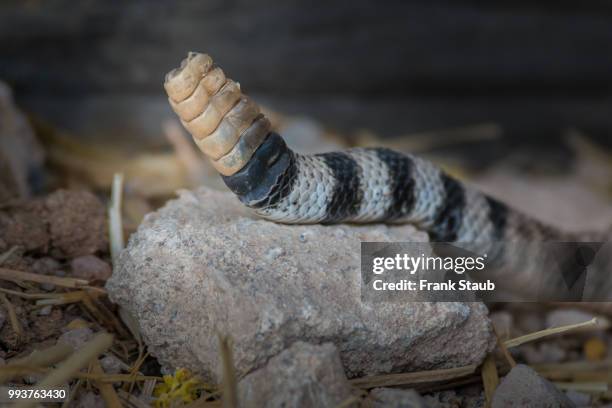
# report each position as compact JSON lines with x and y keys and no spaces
{"x":472,"y":86}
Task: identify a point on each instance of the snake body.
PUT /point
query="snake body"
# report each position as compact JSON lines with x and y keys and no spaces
{"x":357,"y":185}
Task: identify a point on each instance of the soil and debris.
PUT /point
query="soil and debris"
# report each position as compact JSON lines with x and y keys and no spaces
{"x":58,"y":327}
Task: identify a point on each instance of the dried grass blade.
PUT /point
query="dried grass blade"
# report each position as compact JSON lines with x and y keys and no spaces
{"x":15,"y":324}
{"x":504,"y":349}
{"x":107,"y":390}
{"x":230,"y":387}
{"x":588,"y":387}
{"x":25,"y":295}
{"x":71,"y":366}
{"x":490,"y":379}
{"x":548,"y":332}
{"x":415,"y":378}
{"x":6,"y":255}
{"x":13,"y":275}
{"x":114,"y":217}
{"x":38,"y":358}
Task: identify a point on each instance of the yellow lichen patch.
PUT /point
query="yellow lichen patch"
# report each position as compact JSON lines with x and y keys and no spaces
{"x":179,"y":388}
{"x":595,"y":349}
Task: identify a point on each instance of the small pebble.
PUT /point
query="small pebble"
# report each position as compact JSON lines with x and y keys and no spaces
{"x":45,"y":311}
{"x":305,"y":236}
{"x":579,"y":398}
{"x":111,"y":364}
{"x":543,"y":353}
{"x":530,"y":322}
{"x":396,"y":398}
{"x":88,"y":400}
{"x":45,"y":266}
{"x":76,"y":338}
{"x":90,"y":267}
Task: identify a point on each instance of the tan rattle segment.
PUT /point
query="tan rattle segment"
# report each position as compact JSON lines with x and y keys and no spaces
{"x":240,"y":154}
{"x":226,"y":125}
{"x":218,"y":105}
{"x":192,"y":106}
{"x":214,"y":81}
{"x":182,"y":81}
{"x":229,"y":130}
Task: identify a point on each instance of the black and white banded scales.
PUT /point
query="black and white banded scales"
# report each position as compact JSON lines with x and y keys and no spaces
{"x":359,"y":185}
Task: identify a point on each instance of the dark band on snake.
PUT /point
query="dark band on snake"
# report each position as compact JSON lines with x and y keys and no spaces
{"x":450,"y":214}
{"x":268,"y":175}
{"x":347,"y":195}
{"x":402,"y":189}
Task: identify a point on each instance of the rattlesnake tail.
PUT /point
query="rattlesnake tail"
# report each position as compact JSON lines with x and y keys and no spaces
{"x":357,"y":185}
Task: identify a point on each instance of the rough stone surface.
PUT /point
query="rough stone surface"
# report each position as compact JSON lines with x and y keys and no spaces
{"x":304,"y":375}
{"x":396,"y":398}
{"x":66,"y":224}
{"x":77,"y":223}
{"x":90,"y":267}
{"x":76,"y":338}
{"x":523,"y":387}
{"x":202,"y":265}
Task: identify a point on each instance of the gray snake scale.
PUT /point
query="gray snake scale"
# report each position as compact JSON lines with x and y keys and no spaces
{"x":359,"y":185}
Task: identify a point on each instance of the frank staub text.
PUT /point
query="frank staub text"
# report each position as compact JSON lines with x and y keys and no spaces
{"x":409,"y":266}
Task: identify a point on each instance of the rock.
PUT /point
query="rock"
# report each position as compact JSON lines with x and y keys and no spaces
{"x":2,"y":318}
{"x":530,"y":322}
{"x":88,"y":399}
{"x":76,"y":338}
{"x":21,"y":155}
{"x":304,"y":375}
{"x":523,"y":387}
{"x":45,"y":311}
{"x":77,"y":223}
{"x":90,"y":267}
{"x":198,"y":267}
{"x":396,"y":398}
{"x":580,"y":399}
{"x":543,"y":353}
{"x":466,"y":397}
{"x":24,"y":224}
{"x":45,"y":266}
{"x":112,"y":365}
{"x":66,"y":224}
